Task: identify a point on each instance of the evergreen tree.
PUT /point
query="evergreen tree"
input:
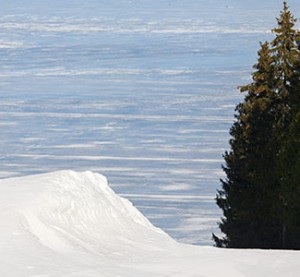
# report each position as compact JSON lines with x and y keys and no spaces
{"x":252,"y":196}
{"x":284,"y":45}
{"x":289,"y":196}
{"x":286,"y":54}
{"x":246,"y":167}
{"x":289,"y":169}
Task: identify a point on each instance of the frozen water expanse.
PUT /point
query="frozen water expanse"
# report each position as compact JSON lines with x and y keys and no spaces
{"x":142,"y":91}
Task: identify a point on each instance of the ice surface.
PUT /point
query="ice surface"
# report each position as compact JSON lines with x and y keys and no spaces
{"x":70,"y":223}
{"x":143,"y":91}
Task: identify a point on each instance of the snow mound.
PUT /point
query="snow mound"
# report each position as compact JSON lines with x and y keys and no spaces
{"x":67,"y":224}
{"x":79,"y":210}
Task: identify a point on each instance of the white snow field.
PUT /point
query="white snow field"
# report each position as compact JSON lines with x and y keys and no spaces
{"x":68,"y":223}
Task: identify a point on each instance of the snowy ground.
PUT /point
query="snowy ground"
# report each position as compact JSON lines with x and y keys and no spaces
{"x":72,"y":224}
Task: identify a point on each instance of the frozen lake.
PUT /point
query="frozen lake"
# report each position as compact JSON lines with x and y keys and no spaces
{"x":141,"y":91}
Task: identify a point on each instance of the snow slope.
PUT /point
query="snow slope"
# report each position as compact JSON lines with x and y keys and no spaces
{"x":72,"y":224}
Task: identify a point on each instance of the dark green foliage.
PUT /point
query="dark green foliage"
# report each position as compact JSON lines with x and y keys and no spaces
{"x":257,"y":197}
{"x":289,"y":169}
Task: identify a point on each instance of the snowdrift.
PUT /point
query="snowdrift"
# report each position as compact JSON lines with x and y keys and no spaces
{"x":72,"y":224}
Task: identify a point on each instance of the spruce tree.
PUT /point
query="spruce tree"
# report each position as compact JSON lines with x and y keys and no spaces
{"x":252,"y":196}
{"x":284,"y":45}
{"x":286,"y":50}
{"x":289,"y":194}
{"x":289,"y":169}
{"x":246,"y":167}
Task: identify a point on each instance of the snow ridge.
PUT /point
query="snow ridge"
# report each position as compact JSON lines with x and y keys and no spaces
{"x":81,"y":210}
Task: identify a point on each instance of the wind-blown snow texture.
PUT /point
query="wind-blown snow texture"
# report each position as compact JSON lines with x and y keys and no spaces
{"x":141,"y":90}
{"x":72,"y":224}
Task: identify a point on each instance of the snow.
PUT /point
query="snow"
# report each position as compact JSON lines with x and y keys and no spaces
{"x":69,"y":223}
